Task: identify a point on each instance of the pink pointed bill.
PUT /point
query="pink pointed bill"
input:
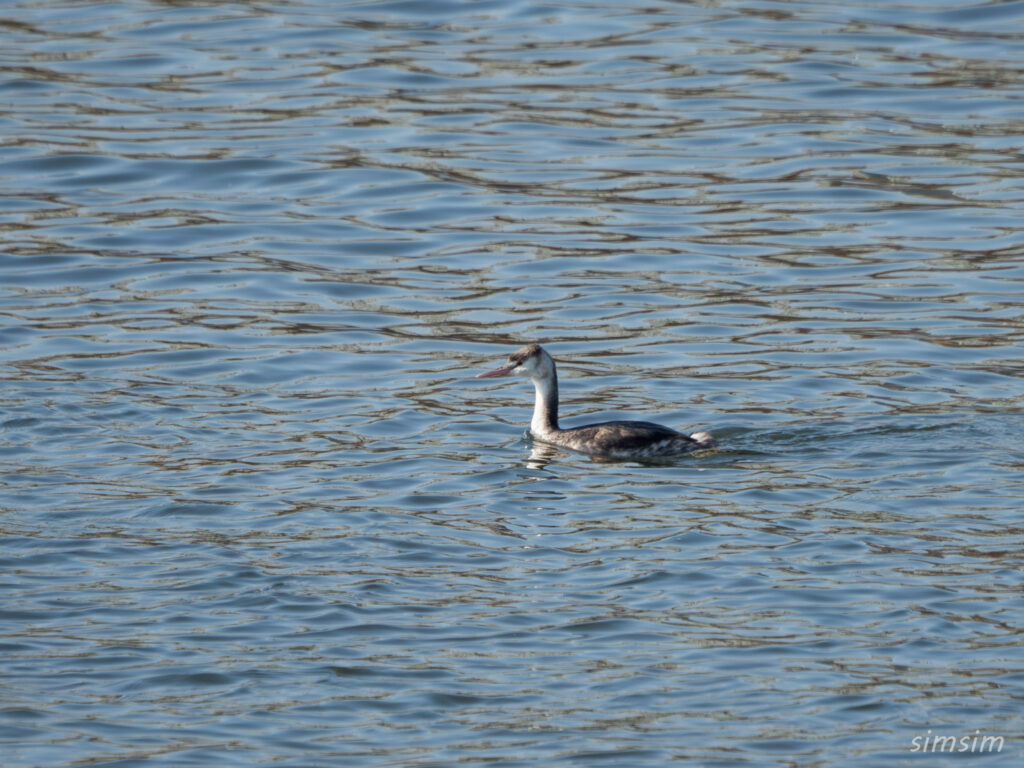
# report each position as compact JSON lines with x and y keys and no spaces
{"x":504,"y":370}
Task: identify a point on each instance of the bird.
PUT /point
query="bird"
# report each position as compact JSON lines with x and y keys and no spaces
{"x":615,"y":439}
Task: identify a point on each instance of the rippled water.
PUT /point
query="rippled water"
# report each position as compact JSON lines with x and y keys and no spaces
{"x":255,"y":510}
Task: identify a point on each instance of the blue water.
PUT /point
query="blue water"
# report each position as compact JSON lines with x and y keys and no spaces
{"x":255,"y":510}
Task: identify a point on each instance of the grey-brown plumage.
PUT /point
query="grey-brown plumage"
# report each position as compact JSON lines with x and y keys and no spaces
{"x":620,"y":439}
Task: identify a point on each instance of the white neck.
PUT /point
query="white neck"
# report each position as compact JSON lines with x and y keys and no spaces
{"x":545,"y":406}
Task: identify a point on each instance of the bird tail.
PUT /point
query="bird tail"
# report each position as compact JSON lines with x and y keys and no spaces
{"x":704,"y":439}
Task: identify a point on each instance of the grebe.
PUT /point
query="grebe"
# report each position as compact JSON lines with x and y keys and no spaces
{"x":618,"y":439}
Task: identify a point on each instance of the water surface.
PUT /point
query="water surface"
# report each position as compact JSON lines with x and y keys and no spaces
{"x":255,"y":510}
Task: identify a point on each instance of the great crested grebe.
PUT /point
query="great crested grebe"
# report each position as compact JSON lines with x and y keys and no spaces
{"x":619,"y":439}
